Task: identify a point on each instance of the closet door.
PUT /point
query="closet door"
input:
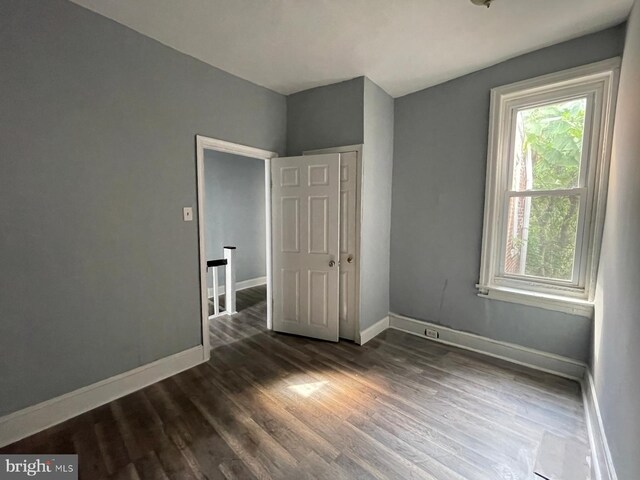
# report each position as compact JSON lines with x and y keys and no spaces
{"x":348,"y":244}
{"x":305,"y":203}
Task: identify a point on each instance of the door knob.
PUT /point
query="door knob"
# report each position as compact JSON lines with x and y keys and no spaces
{"x":350,"y":259}
{"x":331,"y":263}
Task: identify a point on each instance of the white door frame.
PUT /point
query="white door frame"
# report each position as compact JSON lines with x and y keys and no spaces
{"x":206,"y":143}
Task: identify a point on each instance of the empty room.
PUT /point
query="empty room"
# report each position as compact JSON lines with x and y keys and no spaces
{"x":337,"y":239}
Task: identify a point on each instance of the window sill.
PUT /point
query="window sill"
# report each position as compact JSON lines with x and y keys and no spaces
{"x":573,"y":306}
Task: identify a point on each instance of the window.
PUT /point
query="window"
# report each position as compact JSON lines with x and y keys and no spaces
{"x":547,"y":170}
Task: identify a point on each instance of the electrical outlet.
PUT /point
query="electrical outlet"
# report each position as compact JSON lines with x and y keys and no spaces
{"x":431,"y":333}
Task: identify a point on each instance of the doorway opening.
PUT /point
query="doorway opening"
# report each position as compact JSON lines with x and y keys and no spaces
{"x":234,"y":212}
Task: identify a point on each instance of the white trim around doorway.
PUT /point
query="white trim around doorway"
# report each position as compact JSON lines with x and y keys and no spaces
{"x":206,"y":143}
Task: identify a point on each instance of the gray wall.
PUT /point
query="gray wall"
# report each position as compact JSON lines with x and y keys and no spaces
{"x":347,"y":113}
{"x":99,"y":274}
{"x":616,"y":355}
{"x":324,"y":117}
{"x":438,"y":195}
{"x":376,"y":201}
{"x":234,"y":212}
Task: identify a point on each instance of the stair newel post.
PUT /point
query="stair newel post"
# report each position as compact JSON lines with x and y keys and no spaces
{"x":230,"y":281}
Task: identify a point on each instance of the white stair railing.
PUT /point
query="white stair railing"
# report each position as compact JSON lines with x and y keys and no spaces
{"x":228,"y":262}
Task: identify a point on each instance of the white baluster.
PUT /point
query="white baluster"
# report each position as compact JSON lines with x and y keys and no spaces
{"x":230,"y":281}
{"x":216,"y":299}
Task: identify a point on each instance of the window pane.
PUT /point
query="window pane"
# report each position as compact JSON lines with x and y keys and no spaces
{"x":548,"y":146}
{"x":541,"y":236}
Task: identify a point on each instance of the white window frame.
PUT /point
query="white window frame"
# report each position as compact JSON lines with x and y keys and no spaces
{"x":598,"y":82}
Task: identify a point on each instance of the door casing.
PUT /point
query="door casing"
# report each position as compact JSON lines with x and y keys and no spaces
{"x":207,"y":143}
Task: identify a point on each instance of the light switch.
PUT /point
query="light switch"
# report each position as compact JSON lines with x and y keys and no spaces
{"x":187,"y":214}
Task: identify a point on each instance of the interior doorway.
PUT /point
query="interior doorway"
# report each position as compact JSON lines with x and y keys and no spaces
{"x":311,"y":238}
{"x":234,"y":210}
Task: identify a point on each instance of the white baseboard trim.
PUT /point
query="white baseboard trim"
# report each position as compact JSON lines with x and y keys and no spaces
{"x":378,"y":327}
{"x":547,"y":362}
{"x":252,"y":282}
{"x":30,"y":420}
{"x":602,"y":463}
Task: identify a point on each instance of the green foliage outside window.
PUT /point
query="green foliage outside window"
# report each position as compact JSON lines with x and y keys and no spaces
{"x":554,"y":135}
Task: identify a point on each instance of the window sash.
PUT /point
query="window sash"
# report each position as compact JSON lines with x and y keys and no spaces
{"x":577,"y":276}
{"x":516,"y":107}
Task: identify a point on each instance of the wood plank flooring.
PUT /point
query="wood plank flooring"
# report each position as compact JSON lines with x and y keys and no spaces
{"x":276,"y":406}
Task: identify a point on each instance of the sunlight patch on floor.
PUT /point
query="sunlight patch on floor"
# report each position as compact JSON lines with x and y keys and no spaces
{"x":307,"y":389}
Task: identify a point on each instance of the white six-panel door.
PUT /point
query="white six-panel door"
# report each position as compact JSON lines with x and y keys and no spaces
{"x":348,"y":244}
{"x":305,"y":202}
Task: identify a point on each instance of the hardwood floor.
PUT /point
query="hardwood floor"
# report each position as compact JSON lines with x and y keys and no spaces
{"x":276,"y":406}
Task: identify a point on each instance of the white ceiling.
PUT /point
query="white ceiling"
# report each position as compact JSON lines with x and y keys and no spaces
{"x":402,"y":45}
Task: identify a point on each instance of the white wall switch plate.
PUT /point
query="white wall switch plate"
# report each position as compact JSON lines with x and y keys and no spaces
{"x":187,"y":214}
